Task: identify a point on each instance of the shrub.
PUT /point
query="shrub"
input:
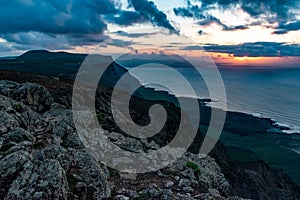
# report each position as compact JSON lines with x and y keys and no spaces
{"x":100,"y":117}
{"x":193,"y":166}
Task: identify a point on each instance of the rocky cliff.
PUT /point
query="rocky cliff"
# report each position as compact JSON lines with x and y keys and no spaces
{"x":42,"y":157}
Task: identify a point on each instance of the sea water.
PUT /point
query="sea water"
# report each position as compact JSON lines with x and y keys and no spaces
{"x":271,"y":93}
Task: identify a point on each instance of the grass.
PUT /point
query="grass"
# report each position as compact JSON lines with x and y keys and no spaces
{"x":71,"y":182}
{"x":17,"y":106}
{"x":143,"y":196}
{"x":38,"y":145}
{"x":101,"y":118}
{"x":193,"y":166}
{"x":113,"y":173}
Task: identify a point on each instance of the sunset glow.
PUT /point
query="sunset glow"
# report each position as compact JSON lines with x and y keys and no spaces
{"x":232,"y":32}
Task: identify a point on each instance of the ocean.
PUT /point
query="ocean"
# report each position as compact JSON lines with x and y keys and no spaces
{"x":270,"y":93}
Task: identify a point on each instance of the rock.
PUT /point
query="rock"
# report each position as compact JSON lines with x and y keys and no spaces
{"x":260,"y":182}
{"x":80,"y":189}
{"x":37,"y":97}
{"x":151,"y":190}
{"x":17,"y":137}
{"x":5,"y":103}
{"x":184,"y":183}
{"x":41,"y":155}
{"x":6,"y":87}
{"x":121,"y":197}
{"x":187,"y":189}
{"x":61,"y":121}
{"x":126,"y":143}
{"x":167,"y":194}
{"x":127,"y":192}
{"x":85,"y":166}
{"x":7,"y":122}
{"x":48,"y":181}
{"x":188,"y":173}
{"x":169,"y":184}
{"x":10,"y":165}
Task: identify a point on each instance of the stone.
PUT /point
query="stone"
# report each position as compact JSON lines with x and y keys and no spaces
{"x":169,"y":184}
{"x":121,"y":197}
{"x":184,"y":183}
{"x":37,"y":97}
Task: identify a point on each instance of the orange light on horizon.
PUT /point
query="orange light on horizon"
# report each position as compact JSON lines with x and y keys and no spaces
{"x":231,"y":60}
{"x":247,"y":58}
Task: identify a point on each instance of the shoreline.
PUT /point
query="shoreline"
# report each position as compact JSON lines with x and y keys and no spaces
{"x":284,"y":128}
{"x":238,"y":123}
{"x":263,"y":132}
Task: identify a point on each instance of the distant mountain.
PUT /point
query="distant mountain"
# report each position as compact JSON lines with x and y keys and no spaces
{"x":44,"y":55}
{"x":64,"y":65}
{"x":42,"y":62}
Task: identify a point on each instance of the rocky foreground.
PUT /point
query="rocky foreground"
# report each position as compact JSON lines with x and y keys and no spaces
{"x":41,"y":157}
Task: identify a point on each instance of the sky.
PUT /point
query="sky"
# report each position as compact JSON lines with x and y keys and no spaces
{"x":234,"y":32}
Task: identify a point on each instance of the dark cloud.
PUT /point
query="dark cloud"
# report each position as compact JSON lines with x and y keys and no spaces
{"x":281,"y":8}
{"x":195,"y":12}
{"x":258,"y":8}
{"x":4,"y":47}
{"x":120,"y":43}
{"x":26,"y":40}
{"x":183,"y":12}
{"x":56,"y":17}
{"x":65,"y":24}
{"x":133,"y":35}
{"x":272,"y":11}
{"x":235,"y":28}
{"x":126,"y":18}
{"x":37,"y":40}
{"x":192,"y":48}
{"x":286,"y":27}
{"x":280,"y":32}
{"x":149,"y":11}
{"x":200,"y":32}
{"x":256,"y":49}
{"x":192,"y":11}
{"x":213,"y":20}
{"x":54,"y":24}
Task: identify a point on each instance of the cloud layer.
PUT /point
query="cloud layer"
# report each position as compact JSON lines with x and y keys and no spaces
{"x":271,"y":11}
{"x":65,"y":24}
{"x":256,"y":49}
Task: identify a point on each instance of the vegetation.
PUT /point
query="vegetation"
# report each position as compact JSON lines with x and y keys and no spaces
{"x":17,"y":106}
{"x":113,"y":173}
{"x":143,"y":196}
{"x":100,"y":118}
{"x":193,"y":166}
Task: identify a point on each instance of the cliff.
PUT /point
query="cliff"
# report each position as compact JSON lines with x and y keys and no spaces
{"x":40,"y":149}
{"x":42,"y":157}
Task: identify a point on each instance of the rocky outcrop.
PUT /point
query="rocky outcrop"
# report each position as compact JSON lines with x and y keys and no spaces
{"x":276,"y":184}
{"x":41,"y":157}
{"x":35,"y":96}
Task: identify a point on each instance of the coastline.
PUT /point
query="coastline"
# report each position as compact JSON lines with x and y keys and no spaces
{"x":240,"y":128}
{"x":284,"y":128}
{"x":237,"y":173}
{"x":256,"y":129}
